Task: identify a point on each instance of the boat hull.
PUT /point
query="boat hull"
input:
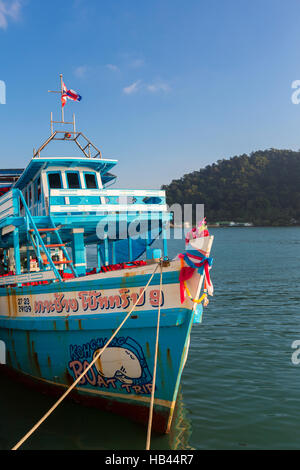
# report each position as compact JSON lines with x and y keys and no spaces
{"x":53,"y":332}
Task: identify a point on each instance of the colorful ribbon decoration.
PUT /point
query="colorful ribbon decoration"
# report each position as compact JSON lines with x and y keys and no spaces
{"x":199,"y":301}
{"x":187,"y":272}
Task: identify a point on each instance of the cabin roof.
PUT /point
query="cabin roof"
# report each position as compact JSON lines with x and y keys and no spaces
{"x":107,"y":178}
{"x":38,"y":164}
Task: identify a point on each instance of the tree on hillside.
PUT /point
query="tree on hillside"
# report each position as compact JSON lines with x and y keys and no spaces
{"x":263,"y":188}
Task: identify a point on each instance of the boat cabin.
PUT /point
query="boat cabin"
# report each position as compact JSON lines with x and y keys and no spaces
{"x":58,"y":206}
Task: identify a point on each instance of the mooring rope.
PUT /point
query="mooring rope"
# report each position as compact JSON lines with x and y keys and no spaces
{"x":37,"y":425}
{"x":155,"y":366}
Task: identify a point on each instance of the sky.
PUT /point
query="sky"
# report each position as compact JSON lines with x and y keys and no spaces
{"x":168,"y":86}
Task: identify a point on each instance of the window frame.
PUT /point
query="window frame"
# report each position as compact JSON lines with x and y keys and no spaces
{"x":67,"y":181}
{"x":96,"y":179}
{"x":60,"y":176}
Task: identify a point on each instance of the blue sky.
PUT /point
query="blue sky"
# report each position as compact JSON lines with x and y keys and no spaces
{"x":168,"y":86}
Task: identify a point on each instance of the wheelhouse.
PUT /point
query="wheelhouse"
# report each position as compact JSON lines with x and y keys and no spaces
{"x":58,"y":206}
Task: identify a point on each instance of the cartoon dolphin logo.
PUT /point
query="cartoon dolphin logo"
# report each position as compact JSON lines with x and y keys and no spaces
{"x":119,"y":363}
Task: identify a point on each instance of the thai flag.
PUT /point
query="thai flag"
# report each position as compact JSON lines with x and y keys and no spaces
{"x":69,"y":95}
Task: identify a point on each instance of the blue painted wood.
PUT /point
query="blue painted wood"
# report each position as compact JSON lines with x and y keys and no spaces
{"x":37,"y":164}
{"x":17,"y":251}
{"x":148,"y":248}
{"x":57,"y":200}
{"x":106,"y":245}
{"x":81,"y":200}
{"x":79,"y":253}
{"x":70,"y":347}
{"x":99,"y":257}
{"x":165,"y":242}
{"x":113,"y":252}
{"x":130,"y":249}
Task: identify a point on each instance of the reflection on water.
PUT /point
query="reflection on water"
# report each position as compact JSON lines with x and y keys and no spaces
{"x":75,"y":427}
{"x":181,"y":427}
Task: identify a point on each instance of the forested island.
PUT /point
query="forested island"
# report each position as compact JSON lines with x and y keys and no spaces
{"x":262,"y":188}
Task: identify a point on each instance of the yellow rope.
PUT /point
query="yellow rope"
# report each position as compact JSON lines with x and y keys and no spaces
{"x":155,"y":367}
{"x":21,"y":442}
{"x":199,"y":301}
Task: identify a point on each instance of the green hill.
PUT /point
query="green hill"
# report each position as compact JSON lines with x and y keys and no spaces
{"x":263,"y":188}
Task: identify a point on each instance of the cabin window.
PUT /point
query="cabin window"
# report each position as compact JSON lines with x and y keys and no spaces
{"x":54,"y":181}
{"x":73,"y":180}
{"x":90,"y":180}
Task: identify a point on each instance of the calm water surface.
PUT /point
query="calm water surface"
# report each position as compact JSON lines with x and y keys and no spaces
{"x":239,"y":389}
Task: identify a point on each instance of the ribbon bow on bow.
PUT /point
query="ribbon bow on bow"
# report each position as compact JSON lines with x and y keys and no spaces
{"x":187,"y":271}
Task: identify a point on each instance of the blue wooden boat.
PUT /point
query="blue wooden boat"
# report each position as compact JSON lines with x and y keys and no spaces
{"x":56,"y":313}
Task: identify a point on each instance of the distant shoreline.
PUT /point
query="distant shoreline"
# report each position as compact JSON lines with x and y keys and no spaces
{"x":237,"y":226}
{"x":252,"y":226}
{"x":262,"y":188}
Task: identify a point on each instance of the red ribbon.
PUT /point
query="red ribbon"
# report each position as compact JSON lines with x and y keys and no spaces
{"x":185,"y":274}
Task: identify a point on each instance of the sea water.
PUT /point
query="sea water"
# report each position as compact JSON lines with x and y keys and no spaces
{"x":240,"y":388}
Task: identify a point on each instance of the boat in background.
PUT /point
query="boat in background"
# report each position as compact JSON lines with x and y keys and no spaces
{"x":56,"y":314}
{"x":8,"y":178}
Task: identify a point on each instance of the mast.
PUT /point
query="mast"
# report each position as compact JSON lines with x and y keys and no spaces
{"x":84,"y":144}
{"x":62,"y":93}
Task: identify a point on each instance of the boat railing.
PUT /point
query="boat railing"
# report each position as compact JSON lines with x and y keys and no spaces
{"x":106,"y":200}
{"x":10,"y":205}
{"x":10,"y":208}
{"x":38,"y":244}
{"x":86,"y":146}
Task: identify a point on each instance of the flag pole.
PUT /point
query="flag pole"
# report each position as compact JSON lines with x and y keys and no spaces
{"x":62,"y":91}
